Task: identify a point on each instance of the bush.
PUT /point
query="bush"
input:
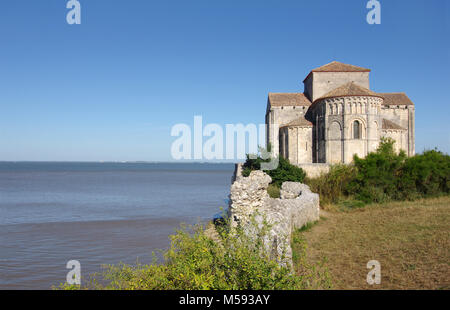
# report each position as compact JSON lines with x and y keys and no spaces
{"x":384,"y":175}
{"x":196,"y":262}
{"x":424,"y":175}
{"x":284,"y":172}
{"x":274,"y":191}
{"x":332,"y":186}
{"x":377,"y":174}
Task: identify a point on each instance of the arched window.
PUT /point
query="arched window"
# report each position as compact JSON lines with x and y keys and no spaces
{"x":356,"y":130}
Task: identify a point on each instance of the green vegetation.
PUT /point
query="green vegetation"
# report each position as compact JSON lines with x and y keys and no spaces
{"x":284,"y":171}
{"x":274,"y":191}
{"x":384,"y":176}
{"x":381,"y":176}
{"x":410,"y":239}
{"x":197,"y":261}
{"x":307,"y":226}
{"x":332,"y":186}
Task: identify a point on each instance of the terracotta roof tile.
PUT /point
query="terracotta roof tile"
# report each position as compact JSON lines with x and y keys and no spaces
{"x":396,"y":99}
{"x":300,"y":122}
{"x":336,"y":66}
{"x":387,"y":124}
{"x":349,"y":89}
{"x":288,"y":99}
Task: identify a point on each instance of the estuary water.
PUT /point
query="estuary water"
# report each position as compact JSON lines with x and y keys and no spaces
{"x":97,"y":213}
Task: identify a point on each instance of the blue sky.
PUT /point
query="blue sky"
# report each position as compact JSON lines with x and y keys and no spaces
{"x":111,"y":88}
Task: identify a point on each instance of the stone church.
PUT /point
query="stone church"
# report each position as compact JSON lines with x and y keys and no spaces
{"x":336,"y":117}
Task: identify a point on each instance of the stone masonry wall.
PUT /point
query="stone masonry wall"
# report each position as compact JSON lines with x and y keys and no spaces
{"x":315,"y":170}
{"x":296,"y":207}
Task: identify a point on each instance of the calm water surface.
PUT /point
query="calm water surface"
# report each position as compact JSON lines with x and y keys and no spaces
{"x":97,"y":213}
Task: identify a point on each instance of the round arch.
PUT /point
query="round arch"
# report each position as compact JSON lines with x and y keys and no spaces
{"x":362,"y":127}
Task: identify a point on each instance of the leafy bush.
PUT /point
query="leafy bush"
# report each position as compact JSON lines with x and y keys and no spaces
{"x":424,"y":175}
{"x":196,"y":262}
{"x":384,"y":175}
{"x":377,"y":174}
{"x":332,"y":186}
{"x":285,"y":171}
{"x":274,"y":191}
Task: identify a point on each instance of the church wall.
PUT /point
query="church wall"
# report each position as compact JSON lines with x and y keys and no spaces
{"x":315,"y":170}
{"x":284,"y":115}
{"x":331,"y":138}
{"x":397,"y":114}
{"x":267,"y":122}
{"x":295,"y":144}
{"x":319,"y":130}
{"x":325,"y":82}
{"x":279,"y":116}
{"x":411,"y":132}
{"x":308,"y":84}
{"x":283,"y":145}
{"x":374,"y":133}
{"x":335,"y":141}
{"x":335,"y":118}
{"x":304,"y":145}
{"x":403,"y":116}
{"x":400,"y":137}
{"x":357,"y":147}
{"x":322,"y":152}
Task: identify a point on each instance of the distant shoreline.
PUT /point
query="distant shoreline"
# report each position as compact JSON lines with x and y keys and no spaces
{"x":117,"y":162}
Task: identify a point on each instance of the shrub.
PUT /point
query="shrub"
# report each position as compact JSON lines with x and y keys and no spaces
{"x":274,"y":191}
{"x":332,"y":186}
{"x":384,"y":175}
{"x":377,"y":174}
{"x":254,"y":161}
{"x":196,"y":262}
{"x":424,"y":175}
{"x":285,"y":171}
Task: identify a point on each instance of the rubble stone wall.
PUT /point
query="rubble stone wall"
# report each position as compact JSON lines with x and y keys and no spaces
{"x":249,"y":201}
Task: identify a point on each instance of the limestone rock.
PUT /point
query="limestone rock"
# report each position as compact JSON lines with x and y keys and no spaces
{"x":291,"y":190}
{"x":296,"y":207}
{"x":248,"y":195}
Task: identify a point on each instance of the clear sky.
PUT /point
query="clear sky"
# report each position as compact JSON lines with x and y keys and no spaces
{"x":111,"y":88}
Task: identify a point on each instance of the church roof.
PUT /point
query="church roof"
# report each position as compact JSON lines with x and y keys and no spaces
{"x":396,"y":99}
{"x":336,"y":66}
{"x":300,"y":122}
{"x":349,"y":89}
{"x":288,"y":99}
{"x":387,"y":124}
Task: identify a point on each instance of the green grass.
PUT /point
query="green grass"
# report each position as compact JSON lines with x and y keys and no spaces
{"x":411,"y":240}
{"x":350,"y":204}
{"x":307,"y":226}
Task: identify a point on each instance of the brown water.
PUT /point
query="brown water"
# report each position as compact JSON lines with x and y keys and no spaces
{"x":51,"y":213}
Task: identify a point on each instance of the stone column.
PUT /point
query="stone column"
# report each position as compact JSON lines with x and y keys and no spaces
{"x":369,"y":124}
{"x":344,"y":130}
{"x":325,"y":128}
{"x":411,"y":133}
